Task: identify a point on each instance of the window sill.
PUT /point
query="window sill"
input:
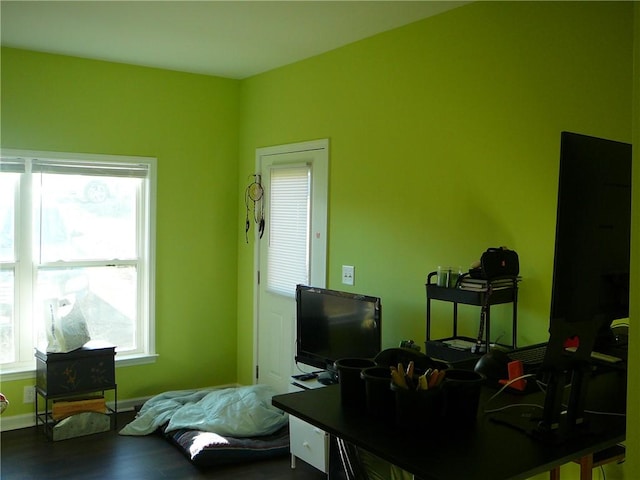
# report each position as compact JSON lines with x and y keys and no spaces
{"x":30,"y":373}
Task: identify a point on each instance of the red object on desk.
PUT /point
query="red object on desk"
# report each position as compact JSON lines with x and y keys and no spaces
{"x":572,"y":342}
{"x":515,"y":370}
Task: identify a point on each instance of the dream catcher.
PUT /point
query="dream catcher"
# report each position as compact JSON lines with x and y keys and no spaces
{"x":254,"y":202}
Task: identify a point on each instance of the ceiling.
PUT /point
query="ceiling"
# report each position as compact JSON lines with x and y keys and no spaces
{"x":233,"y":39}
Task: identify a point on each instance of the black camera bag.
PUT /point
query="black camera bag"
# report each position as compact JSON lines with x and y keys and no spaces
{"x":497,"y":263}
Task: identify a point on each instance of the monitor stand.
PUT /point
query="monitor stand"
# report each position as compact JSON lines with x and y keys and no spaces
{"x":553,"y":424}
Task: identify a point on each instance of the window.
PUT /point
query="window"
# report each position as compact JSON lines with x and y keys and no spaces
{"x":79,"y":230}
{"x":289,"y":228}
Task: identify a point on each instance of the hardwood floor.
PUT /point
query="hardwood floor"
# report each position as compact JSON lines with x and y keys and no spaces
{"x":26,"y":454}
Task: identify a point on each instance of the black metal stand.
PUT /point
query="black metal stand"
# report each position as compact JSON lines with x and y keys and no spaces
{"x":481,"y":298}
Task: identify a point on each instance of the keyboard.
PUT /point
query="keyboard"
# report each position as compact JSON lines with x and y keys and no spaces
{"x":603,"y":357}
{"x":531,"y":356}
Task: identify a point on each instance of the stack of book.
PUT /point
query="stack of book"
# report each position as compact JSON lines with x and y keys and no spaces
{"x":481,"y":285}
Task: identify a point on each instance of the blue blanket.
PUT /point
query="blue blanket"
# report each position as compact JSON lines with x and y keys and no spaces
{"x":237,"y":412}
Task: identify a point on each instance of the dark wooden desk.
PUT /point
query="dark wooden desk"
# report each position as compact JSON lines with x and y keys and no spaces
{"x":486,"y":450}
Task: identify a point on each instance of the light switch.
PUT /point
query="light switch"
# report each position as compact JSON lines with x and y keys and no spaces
{"x":348,"y":274}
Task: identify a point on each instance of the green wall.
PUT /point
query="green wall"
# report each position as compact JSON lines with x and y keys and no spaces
{"x":633,"y":397}
{"x":445,"y":140}
{"x":190,"y":123}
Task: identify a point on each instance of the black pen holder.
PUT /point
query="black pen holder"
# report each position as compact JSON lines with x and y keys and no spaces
{"x":352,"y":385}
{"x":418,"y":409}
{"x":380,"y":400}
{"x":461,"y":389}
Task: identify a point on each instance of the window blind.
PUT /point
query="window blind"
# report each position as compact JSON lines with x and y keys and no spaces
{"x":12,"y":165}
{"x":75,"y":167}
{"x":289,"y":210}
{"x":94,"y":168}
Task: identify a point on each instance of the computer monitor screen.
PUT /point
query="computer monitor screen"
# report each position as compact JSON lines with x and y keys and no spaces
{"x":590,"y":285}
{"x":593,"y":231}
{"x":590,"y":274}
{"x":331,"y":325}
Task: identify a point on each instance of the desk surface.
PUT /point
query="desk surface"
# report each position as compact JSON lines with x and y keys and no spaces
{"x":486,"y":450}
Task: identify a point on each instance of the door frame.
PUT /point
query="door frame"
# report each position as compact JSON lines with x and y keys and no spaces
{"x":319,"y":226}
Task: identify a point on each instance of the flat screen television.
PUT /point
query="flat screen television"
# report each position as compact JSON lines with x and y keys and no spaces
{"x":331,"y":325}
{"x":590,"y":286}
{"x":593,"y":234}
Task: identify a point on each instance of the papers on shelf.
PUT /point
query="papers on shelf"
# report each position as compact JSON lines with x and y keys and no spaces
{"x":459,"y":343}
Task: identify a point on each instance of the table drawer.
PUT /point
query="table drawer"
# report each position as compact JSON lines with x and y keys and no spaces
{"x":309,"y":443}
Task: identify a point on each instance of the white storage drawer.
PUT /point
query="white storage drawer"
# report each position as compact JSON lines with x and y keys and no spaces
{"x":309,"y":443}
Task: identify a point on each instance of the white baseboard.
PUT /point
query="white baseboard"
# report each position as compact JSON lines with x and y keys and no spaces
{"x":15,"y":422}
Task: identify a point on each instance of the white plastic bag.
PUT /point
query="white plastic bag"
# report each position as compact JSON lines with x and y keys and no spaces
{"x":66,"y":328}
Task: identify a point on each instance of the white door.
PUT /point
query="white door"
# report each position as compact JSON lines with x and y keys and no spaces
{"x":291,"y":251}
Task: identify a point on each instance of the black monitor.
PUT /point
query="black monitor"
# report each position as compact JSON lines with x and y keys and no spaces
{"x":331,"y":325}
{"x":590,"y":285}
{"x":593,"y":234}
{"x":590,"y":274}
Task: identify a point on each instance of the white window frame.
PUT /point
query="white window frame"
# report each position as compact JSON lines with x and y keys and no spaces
{"x":25,"y":367}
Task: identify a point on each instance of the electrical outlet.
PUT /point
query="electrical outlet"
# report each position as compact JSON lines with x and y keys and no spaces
{"x":348,"y":274}
{"x":29,"y":395}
